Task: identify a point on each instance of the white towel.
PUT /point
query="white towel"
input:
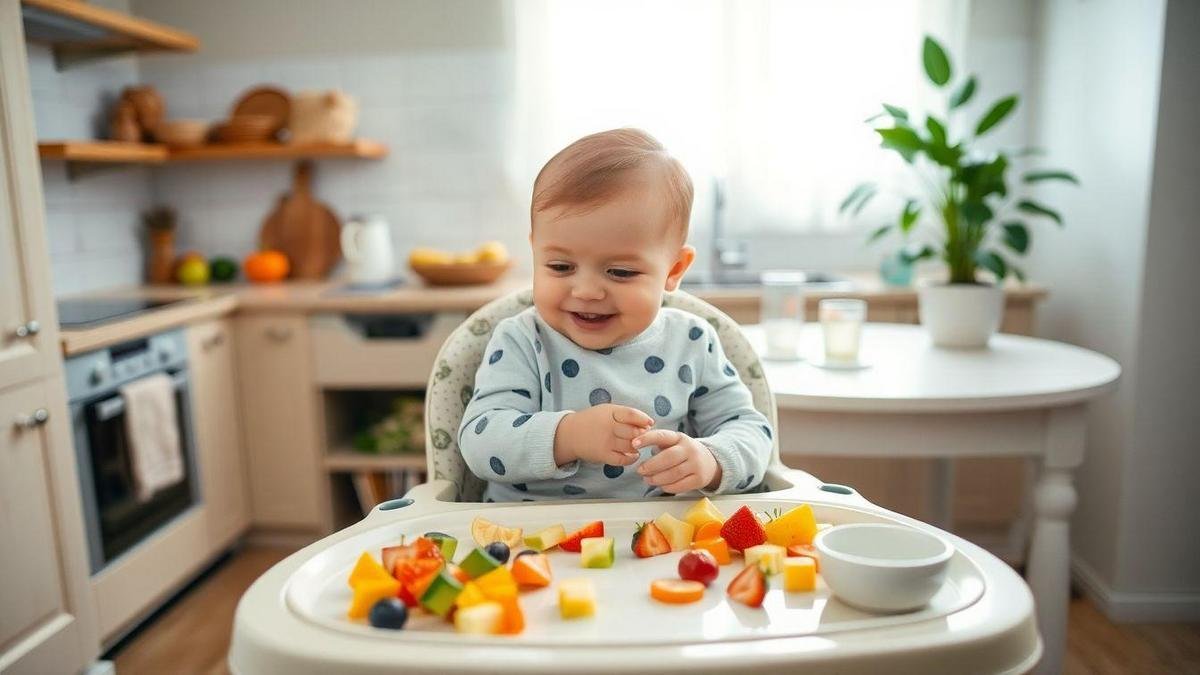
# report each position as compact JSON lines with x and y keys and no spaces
{"x":153,"y":430}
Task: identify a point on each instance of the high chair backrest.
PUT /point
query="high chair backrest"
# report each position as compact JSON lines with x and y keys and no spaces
{"x":453,"y":380}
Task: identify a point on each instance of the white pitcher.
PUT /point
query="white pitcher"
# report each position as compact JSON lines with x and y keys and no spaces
{"x":367,"y":247}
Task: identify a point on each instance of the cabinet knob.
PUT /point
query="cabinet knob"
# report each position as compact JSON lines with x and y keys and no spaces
{"x":31,"y":327}
{"x":33,"y":420}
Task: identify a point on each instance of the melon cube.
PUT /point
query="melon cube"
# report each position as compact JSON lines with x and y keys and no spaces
{"x":486,"y":618}
{"x":546,"y":539}
{"x":498,"y":584}
{"x":768,"y":557}
{"x":367,"y":569}
{"x":703,"y":511}
{"x":797,"y":526}
{"x":596,"y":552}
{"x":470,"y":596}
{"x":576,"y":598}
{"x":799,"y":575}
{"x":368,"y":592}
{"x":678,"y":532}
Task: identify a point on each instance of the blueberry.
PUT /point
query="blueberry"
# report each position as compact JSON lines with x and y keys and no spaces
{"x":498,"y":550}
{"x":388,"y":613}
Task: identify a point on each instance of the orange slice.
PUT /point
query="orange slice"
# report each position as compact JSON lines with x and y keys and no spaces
{"x":484,"y":532}
{"x":676,"y":591}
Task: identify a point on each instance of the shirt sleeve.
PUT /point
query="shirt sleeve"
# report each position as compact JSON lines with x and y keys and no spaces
{"x":726,"y":421}
{"x":505,"y":436}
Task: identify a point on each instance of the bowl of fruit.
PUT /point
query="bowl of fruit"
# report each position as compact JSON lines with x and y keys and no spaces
{"x":445,"y":268}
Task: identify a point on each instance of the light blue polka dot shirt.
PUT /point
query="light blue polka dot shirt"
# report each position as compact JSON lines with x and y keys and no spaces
{"x":675,"y":371}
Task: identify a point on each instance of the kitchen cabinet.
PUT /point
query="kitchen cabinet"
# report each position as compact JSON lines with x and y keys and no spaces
{"x":217,"y":423}
{"x":280,"y":423}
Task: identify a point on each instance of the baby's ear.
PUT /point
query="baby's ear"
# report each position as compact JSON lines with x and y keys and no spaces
{"x":683,"y":260}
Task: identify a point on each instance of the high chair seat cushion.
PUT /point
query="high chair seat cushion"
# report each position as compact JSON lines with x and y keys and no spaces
{"x":453,"y":380}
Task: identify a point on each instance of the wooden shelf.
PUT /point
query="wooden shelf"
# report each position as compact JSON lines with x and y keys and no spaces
{"x":103,"y":152}
{"x":359,"y":149}
{"x":79,"y":31}
{"x":346,"y":460}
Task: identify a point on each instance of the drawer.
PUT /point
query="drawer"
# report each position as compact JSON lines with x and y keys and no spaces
{"x":378,"y":350}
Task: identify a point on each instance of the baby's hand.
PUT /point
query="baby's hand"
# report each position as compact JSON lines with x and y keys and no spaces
{"x":601,"y":434}
{"x":681,"y":464}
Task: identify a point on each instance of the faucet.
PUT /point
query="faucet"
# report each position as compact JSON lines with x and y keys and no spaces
{"x":727,"y":255}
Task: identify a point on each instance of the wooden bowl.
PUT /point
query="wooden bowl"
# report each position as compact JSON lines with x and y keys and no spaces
{"x":246,"y":129}
{"x":182,"y":133}
{"x":461,"y":274}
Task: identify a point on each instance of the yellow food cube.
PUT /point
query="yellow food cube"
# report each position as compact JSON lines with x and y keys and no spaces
{"x":498,"y":584}
{"x":486,"y":618}
{"x":370,"y":591}
{"x":768,"y":557}
{"x":799,"y":575}
{"x":797,"y":526}
{"x":470,"y":595}
{"x":677,"y":532}
{"x":367,"y":569}
{"x":703,"y":511}
{"x":576,"y":598}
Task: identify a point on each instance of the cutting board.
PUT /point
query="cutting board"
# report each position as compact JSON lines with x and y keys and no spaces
{"x":304,"y":229}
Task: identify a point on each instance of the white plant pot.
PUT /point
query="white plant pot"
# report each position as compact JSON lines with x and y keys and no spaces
{"x":963,"y":316}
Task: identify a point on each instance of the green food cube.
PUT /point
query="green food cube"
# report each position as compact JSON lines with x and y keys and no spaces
{"x":546,"y":539}
{"x":596,"y":552}
{"x":439,"y":597}
{"x":478,"y":563}
{"x":445,"y":542}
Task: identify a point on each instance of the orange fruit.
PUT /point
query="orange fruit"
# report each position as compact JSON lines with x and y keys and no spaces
{"x":266,"y":266}
{"x":676,"y":591}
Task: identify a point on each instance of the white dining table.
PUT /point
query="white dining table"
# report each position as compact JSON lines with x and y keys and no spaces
{"x":1018,"y":397}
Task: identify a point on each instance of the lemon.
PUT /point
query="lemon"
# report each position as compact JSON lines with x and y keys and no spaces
{"x":485,"y":532}
{"x":466,"y":258}
{"x":429,"y":256}
{"x":492,"y":252}
{"x":193,"y":272}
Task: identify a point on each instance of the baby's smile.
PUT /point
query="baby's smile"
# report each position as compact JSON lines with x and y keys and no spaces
{"x":591,"y":321}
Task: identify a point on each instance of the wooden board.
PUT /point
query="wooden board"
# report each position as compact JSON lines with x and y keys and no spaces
{"x":361,"y":149}
{"x":304,"y":229}
{"x":104,"y":152}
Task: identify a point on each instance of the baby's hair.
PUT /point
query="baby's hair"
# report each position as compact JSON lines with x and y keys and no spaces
{"x":596,"y":167}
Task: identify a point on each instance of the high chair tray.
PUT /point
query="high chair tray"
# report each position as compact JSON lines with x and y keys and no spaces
{"x":293,"y":619}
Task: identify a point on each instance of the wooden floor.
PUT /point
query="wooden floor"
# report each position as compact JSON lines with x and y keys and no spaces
{"x":192,"y":636}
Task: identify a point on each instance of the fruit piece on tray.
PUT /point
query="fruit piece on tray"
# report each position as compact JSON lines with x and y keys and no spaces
{"x":796,"y":526}
{"x":546,"y":539}
{"x":388,"y":613}
{"x":743,"y":530}
{"x":414,"y":575}
{"x":703,"y":511}
{"x":748,"y":587}
{"x":596,"y":552}
{"x":470,"y":596}
{"x":676,"y":591}
{"x":368,"y":592}
{"x":440,"y":594}
{"x":678,"y":532}
{"x":367,"y":569}
{"x":716,"y":546}
{"x":486,"y":618}
{"x":768,"y":557}
{"x":532,"y":570}
{"x":513,"y":619}
{"x":576,"y":598}
{"x":484,"y":532}
{"x":499,"y":586}
{"x":592,"y":529}
{"x":445,"y":542}
{"x":420,"y":548}
{"x":649,"y":541}
{"x":458,"y":572}
{"x":698,"y":566}
{"x":478,"y":563}
{"x":498,"y":550}
{"x":709,"y":530}
{"x":805,"y":551}
{"x":799,"y":575}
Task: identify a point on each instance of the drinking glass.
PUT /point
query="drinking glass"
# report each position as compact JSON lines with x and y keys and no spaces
{"x":841,"y":325}
{"x":783,"y":313}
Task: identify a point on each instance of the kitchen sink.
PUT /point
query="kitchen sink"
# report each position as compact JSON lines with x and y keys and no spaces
{"x":816,"y":281}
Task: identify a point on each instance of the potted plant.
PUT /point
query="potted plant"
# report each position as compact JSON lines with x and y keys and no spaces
{"x":966,"y":216}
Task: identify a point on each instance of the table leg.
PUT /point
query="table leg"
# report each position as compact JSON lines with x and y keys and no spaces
{"x":1049,"y":556}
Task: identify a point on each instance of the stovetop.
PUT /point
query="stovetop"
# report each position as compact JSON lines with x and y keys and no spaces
{"x":88,"y":312}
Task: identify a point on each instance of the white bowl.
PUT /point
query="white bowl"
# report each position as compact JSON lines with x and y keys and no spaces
{"x":882,"y":568}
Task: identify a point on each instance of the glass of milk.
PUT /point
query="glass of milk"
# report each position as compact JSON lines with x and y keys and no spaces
{"x":841,"y":325}
{"x":783,"y":313}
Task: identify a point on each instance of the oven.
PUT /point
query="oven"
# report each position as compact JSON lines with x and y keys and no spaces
{"x":115,"y":519}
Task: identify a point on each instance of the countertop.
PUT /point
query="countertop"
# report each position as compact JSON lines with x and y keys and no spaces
{"x":331,"y":296}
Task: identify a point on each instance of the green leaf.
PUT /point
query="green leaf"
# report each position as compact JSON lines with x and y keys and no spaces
{"x":1038,"y":176}
{"x":937,"y":132}
{"x":963,"y":94}
{"x":861,"y":192}
{"x":990,"y":261}
{"x":1030,"y":206}
{"x":1016,"y":236}
{"x":912,"y":211}
{"x":1000,"y":109}
{"x":1020,"y":273}
{"x":896,"y":112}
{"x":937,"y":64}
{"x":879,"y":232}
{"x":903,"y":140}
{"x":976,"y":213}
{"x":912,"y":254}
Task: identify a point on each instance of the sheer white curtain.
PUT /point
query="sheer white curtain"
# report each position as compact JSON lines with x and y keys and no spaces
{"x":768,"y":96}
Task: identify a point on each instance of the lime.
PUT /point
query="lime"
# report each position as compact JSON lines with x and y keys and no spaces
{"x":223,"y":269}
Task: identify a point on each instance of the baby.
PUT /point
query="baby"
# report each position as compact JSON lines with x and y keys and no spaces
{"x":597,"y":390}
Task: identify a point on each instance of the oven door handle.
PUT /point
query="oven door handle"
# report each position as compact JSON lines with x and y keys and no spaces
{"x":111,"y":407}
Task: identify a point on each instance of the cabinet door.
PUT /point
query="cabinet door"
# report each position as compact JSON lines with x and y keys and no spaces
{"x":39,"y":631}
{"x":279,"y":422}
{"x":215,"y":412}
{"x":28,"y":325}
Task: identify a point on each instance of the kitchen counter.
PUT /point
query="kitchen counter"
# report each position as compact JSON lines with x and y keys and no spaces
{"x":332,"y":297}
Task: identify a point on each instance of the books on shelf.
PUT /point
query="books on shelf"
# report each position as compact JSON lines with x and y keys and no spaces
{"x":373,"y":487}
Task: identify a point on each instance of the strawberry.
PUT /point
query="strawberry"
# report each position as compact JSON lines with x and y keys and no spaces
{"x":748,"y":587}
{"x":421,"y":548}
{"x":649,"y":541}
{"x":743,"y":530}
{"x":572,"y":543}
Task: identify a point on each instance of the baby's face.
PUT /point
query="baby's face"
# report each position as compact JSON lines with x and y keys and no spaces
{"x":599,"y":276}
